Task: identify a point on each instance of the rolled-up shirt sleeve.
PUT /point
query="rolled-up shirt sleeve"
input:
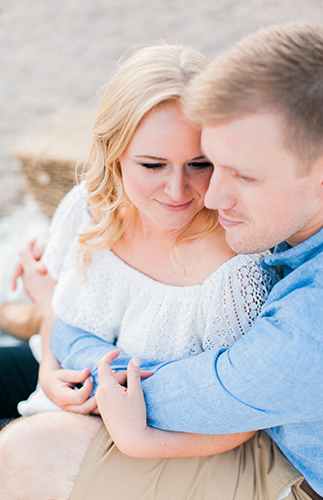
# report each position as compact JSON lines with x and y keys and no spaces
{"x":272,"y":376}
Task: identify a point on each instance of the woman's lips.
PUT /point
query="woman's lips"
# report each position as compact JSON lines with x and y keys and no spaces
{"x":226,"y":223}
{"x":175,"y":208}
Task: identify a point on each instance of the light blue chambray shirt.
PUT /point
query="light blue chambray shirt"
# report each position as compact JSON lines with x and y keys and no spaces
{"x":271,"y":378}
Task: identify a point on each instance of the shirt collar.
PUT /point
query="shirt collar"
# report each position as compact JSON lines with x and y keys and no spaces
{"x":293,"y":257}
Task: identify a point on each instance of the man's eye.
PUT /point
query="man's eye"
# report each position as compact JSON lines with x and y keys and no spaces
{"x":245,"y":179}
{"x":199,"y":165}
{"x":242,"y":178}
{"x":152,"y":165}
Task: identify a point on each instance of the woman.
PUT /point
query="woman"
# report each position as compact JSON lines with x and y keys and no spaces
{"x":142,"y":207}
{"x":141,"y":216}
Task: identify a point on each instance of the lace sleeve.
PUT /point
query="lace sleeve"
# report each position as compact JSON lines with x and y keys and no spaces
{"x":70,"y":216}
{"x":238,"y":301}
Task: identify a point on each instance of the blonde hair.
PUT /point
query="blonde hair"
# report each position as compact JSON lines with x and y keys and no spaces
{"x":278,"y":68}
{"x":151,"y":77}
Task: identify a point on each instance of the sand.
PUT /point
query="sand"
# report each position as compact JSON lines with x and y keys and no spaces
{"x":57,"y":54}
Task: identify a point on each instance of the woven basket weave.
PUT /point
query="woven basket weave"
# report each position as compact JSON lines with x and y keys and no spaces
{"x":49,"y":156}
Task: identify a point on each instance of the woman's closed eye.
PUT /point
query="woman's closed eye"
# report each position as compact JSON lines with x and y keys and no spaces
{"x":194,"y":165}
{"x":200,"y":165}
{"x":153,"y":165}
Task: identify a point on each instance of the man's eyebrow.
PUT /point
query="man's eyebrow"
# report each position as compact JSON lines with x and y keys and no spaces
{"x":223,"y":165}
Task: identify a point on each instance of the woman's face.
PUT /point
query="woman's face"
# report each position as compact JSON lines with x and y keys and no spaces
{"x":165,"y":175}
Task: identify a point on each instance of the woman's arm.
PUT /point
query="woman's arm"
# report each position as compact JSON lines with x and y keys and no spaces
{"x":38,"y":284}
{"x":124,"y":414}
{"x":59,"y":385}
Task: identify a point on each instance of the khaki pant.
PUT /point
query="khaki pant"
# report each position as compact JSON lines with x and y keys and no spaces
{"x":256,"y":470}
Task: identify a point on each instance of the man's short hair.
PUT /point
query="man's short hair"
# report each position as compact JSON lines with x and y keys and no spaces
{"x":278,"y":68}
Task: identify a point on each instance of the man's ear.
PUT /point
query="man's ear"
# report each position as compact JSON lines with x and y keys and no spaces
{"x":319,"y":168}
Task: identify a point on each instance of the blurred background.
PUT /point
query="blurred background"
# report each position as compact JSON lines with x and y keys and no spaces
{"x":55,"y":55}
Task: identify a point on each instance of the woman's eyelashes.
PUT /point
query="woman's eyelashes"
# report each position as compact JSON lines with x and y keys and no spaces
{"x":196,"y":165}
{"x":200,"y":165}
{"x":153,"y":165}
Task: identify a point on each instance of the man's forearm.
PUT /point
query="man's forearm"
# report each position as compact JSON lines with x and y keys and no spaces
{"x":249,"y":386}
{"x":76,"y":349}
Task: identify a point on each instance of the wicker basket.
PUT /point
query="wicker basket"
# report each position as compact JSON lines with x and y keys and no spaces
{"x":49,"y":156}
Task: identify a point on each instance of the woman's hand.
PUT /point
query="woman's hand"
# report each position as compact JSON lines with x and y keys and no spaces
{"x":38,"y":285}
{"x":122,"y":409}
{"x":37,"y":252}
{"x":61,"y":386}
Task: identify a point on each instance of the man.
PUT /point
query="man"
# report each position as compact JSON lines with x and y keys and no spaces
{"x":260,"y":107}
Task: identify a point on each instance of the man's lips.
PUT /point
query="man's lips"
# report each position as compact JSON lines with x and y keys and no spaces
{"x":227,"y":223}
{"x":175,"y":208}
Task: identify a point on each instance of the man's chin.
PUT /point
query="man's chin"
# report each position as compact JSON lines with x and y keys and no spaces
{"x":245,"y":246}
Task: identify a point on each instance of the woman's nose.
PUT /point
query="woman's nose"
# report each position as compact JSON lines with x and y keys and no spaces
{"x":176,"y":185}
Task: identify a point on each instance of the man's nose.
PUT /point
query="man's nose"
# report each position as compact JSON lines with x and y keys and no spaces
{"x":219,"y":195}
{"x":176,"y":185}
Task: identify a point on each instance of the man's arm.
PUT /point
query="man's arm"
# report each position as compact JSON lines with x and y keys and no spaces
{"x":124,"y":413}
{"x":76,"y":349}
{"x":271,"y":376}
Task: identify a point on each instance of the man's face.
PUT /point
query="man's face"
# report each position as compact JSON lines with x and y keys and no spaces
{"x":260,"y":200}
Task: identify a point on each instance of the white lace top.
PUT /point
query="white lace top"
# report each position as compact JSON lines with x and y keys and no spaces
{"x":143,"y":316}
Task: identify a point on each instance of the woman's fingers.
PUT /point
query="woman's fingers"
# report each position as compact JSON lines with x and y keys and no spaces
{"x":146,"y":374}
{"x":30,"y":257}
{"x":38,"y":250}
{"x":90,"y":406}
{"x":17,"y":273}
{"x":27,"y":258}
{"x":86,"y":389}
{"x":134,"y":377}
{"x":104,"y":368}
{"x":74,"y":376}
{"x":95,"y":411}
{"x":120,"y":377}
{"x":67,"y":396}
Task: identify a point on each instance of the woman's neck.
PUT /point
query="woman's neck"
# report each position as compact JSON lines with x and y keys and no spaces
{"x":149,"y":233}
{"x":151,"y":250}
